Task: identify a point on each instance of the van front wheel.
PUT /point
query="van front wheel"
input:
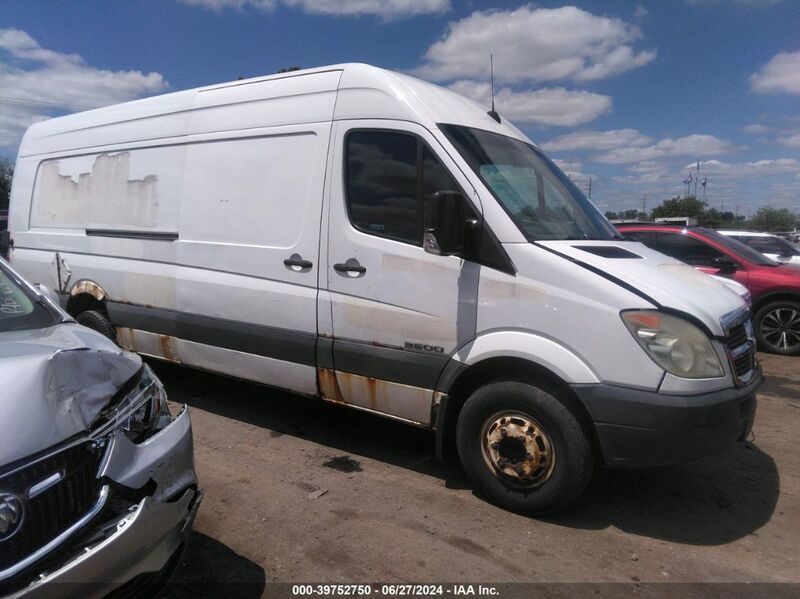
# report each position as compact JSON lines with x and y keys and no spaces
{"x":94,"y":319}
{"x":522,"y":448}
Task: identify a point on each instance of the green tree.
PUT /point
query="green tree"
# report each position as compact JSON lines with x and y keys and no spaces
{"x":773,"y":219}
{"x":689,"y":206}
{"x":6,"y":174}
{"x":611,"y":215}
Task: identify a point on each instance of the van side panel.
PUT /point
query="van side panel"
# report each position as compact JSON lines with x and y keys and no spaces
{"x":188,"y":235}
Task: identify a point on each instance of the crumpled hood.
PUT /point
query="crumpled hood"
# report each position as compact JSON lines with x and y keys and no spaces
{"x":671,"y":283}
{"x":54,"y":383}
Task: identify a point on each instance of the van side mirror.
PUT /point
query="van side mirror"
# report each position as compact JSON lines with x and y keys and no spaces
{"x":446,"y":223}
{"x":726,"y":264}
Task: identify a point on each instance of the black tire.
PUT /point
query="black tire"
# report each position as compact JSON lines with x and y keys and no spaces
{"x":777,"y":328}
{"x":98,"y":321}
{"x":546,"y":486}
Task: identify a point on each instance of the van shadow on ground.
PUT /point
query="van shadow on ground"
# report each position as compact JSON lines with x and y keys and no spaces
{"x":712,"y":501}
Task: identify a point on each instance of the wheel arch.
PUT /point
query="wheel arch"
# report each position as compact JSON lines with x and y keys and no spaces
{"x":86,"y":295}
{"x":782,"y":295}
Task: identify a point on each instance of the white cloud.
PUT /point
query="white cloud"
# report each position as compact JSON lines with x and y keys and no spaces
{"x":567,"y":165}
{"x":691,"y":145}
{"x":219,"y":5}
{"x":756,"y":129}
{"x":36,"y":81}
{"x":535,"y":44}
{"x":574,"y":170}
{"x":549,"y":106}
{"x":778,"y":166}
{"x":790,"y":141}
{"x":649,"y":167}
{"x":750,"y":2}
{"x":386,"y":9}
{"x":597,"y":140}
{"x":640,"y":13}
{"x":780,"y":74}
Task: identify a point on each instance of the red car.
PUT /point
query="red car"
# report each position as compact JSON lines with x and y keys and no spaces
{"x":774,"y":286}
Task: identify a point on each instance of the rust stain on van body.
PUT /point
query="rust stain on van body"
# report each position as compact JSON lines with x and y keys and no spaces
{"x":157,"y":346}
{"x":338,"y":386}
{"x":409,"y":404}
{"x":168,"y":346}
{"x":329,"y":386}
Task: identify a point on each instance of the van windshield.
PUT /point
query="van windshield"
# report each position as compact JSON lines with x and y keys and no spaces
{"x":543,"y":202}
{"x":19,"y":309}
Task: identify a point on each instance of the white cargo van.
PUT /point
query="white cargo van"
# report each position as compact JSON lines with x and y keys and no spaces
{"x":360,"y":235}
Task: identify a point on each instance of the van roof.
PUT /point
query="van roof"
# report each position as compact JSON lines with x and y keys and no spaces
{"x":337,"y":92}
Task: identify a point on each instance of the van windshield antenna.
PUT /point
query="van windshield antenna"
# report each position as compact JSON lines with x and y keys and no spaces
{"x":492,"y":113}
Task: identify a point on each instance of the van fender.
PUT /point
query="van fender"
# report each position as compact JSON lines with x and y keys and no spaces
{"x":547,"y":353}
{"x":518,"y":347}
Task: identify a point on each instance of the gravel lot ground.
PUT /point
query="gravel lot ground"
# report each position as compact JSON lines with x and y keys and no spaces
{"x":298,"y":490}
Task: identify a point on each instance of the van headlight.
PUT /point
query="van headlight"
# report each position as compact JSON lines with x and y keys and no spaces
{"x":675,"y":344}
{"x":143,"y":411}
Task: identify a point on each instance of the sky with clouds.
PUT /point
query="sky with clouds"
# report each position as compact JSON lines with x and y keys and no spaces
{"x":632,"y":94}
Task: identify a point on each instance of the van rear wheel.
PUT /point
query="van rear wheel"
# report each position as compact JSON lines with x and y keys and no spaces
{"x":522,"y":448}
{"x":96,"y":320}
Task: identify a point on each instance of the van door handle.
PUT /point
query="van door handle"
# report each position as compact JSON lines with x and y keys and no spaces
{"x":352,"y":265}
{"x":296,"y":262}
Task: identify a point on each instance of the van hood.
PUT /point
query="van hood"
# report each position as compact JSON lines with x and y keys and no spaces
{"x":663,"y":280}
{"x":55,"y":382}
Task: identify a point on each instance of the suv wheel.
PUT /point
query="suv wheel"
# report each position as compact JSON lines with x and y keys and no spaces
{"x":778,"y":328}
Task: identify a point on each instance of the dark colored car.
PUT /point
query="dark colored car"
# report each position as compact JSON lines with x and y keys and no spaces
{"x":774,"y":286}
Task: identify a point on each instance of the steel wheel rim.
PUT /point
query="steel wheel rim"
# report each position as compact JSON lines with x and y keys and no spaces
{"x":517,"y":449}
{"x":780,"y":329}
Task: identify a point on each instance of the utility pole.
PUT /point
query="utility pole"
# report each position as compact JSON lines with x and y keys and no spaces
{"x":590,"y":188}
{"x":644,"y":203}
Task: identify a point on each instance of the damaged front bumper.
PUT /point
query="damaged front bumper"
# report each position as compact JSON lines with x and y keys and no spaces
{"x":149,"y":499}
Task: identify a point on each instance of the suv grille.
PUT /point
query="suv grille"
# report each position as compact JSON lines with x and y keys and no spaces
{"x":53,"y":510}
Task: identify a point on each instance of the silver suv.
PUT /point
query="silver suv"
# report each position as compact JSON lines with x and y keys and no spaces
{"x":97,"y":479}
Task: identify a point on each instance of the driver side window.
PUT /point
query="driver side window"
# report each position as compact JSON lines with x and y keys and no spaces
{"x":390,"y":177}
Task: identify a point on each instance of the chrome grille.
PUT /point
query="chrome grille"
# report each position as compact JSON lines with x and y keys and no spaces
{"x":741,"y":350}
{"x":50,"y":508}
{"x":737,"y":336}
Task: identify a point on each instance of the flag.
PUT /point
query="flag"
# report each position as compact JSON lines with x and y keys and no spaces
{"x":688,"y":179}
{"x":705,"y":180}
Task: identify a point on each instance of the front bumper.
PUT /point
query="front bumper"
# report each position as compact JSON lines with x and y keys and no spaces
{"x":134,"y":536}
{"x":641,"y":429}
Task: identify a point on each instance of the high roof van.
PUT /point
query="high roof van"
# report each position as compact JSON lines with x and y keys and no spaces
{"x":383,"y":243}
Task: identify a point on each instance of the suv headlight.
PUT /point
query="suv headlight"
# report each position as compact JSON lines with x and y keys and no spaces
{"x":675,"y":344}
{"x":143,"y":411}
